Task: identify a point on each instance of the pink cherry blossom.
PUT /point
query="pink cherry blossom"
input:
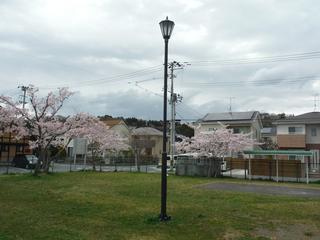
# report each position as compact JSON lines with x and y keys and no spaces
{"x":218,"y":143}
{"x":41,"y":122}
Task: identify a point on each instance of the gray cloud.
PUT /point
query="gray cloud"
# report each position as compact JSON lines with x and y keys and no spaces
{"x":73,"y":43}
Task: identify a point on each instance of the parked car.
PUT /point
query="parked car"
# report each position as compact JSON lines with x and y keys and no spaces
{"x":25,"y":161}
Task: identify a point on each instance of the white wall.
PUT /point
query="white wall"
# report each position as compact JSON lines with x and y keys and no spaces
{"x":78,"y":146}
{"x":284,"y":129}
{"x":313,"y":139}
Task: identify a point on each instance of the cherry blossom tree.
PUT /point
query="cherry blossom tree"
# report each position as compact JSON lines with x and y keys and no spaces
{"x":11,"y":122}
{"x":217,"y":143}
{"x":99,"y":137}
{"x":45,"y":128}
{"x":40,"y":121}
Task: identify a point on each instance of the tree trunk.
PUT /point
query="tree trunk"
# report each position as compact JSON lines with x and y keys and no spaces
{"x":93,"y":161}
{"x":210,"y":167}
{"x":47,"y":162}
{"x":41,"y":159}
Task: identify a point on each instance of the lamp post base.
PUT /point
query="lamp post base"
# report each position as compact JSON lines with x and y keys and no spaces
{"x":164,"y":218}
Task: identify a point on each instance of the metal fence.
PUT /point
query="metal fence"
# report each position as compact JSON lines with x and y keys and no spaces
{"x":205,"y":167}
{"x":111,"y":164}
{"x":272,"y":169}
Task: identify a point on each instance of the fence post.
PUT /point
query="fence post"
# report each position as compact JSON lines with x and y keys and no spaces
{"x":7,"y":171}
{"x":245,"y":168}
{"x":307,"y":169}
{"x":231,"y":167}
{"x":250,"y":177}
{"x":270,"y":169}
{"x":282,"y":169}
{"x":115,"y":164}
{"x":146,"y":164}
{"x":277,"y":168}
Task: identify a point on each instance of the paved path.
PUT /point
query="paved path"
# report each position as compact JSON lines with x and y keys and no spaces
{"x":4,"y":170}
{"x":264,"y":189}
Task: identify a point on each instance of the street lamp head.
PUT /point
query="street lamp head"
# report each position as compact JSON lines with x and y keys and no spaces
{"x":166,"y":27}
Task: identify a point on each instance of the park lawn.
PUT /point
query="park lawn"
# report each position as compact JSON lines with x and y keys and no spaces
{"x":87,"y":205}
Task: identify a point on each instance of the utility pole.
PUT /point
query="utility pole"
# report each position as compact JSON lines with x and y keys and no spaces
{"x":24,"y":90}
{"x":174,"y":98}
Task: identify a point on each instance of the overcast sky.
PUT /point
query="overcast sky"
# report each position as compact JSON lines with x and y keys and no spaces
{"x":263,"y":54}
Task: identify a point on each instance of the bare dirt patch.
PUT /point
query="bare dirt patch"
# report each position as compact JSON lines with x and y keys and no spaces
{"x":292,"y":232}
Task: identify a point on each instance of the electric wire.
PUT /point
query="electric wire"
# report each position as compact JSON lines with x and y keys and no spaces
{"x":253,"y":60}
{"x":255,"y":83}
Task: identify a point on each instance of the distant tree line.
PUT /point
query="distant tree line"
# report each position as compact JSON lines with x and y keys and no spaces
{"x":268,"y":118}
{"x":181,"y":128}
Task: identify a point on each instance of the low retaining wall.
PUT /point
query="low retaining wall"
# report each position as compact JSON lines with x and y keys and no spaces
{"x":205,"y":167}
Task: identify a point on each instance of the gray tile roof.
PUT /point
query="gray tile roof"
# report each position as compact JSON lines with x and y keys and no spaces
{"x":306,"y":118}
{"x":310,"y":115}
{"x":227,"y":116}
{"x":146,"y":131}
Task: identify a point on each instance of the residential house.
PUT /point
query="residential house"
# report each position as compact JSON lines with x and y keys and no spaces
{"x":269,"y":137}
{"x":299,"y":132}
{"x":119,"y":126}
{"x":78,"y":145}
{"x":10,"y":146}
{"x":148,"y":140}
{"x":240,"y":122}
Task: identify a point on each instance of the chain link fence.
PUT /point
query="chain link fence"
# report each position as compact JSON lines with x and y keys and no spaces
{"x":110,"y":164}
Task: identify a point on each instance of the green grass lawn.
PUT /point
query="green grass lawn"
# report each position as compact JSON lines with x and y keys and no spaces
{"x":126,"y":205}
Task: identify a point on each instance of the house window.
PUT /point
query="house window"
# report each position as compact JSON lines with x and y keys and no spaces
{"x":19,"y":148}
{"x":148,"y":151}
{"x":313,"y":132}
{"x":292,"y":157}
{"x":4,"y":148}
{"x":211,"y":129}
{"x":236,"y":130}
{"x":294,"y":130}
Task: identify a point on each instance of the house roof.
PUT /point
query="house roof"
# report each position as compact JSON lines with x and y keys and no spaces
{"x":146,"y":131}
{"x":310,"y":115}
{"x":230,"y":116}
{"x":306,"y":118}
{"x":112,"y":122}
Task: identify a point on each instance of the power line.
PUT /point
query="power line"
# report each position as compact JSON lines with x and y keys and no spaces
{"x":265,"y":82}
{"x":184,"y":105}
{"x":115,"y":78}
{"x":267,"y":59}
{"x":187,"y":111}
{"x":158,"y":68}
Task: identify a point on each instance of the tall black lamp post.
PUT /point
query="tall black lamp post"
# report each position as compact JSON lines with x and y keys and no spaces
{"x":166,"y":29}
